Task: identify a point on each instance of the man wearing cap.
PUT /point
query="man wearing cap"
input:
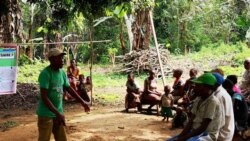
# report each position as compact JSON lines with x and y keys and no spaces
{"x":53,"y":81}
{"x":227,"y":129}
{"x":205,"y":117}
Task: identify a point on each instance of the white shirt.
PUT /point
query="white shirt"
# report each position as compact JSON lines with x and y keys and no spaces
{"x":227,"y":129}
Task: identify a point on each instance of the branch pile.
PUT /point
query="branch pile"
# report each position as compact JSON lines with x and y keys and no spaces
{"x":139,"y":61}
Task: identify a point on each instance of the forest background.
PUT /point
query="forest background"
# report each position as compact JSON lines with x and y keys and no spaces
{"x":202,"y":34}
{"x":211,"y":33}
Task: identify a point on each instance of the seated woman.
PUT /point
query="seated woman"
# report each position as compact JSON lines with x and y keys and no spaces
{"x":151,"y":95}
{"x":73,"y":73}
{"x":178,"y":85}
{"x":132,"y":98}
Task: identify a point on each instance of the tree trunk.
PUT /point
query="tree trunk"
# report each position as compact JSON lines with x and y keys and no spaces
{"x":128,"y":21}
{"x":122,"y":38}
{"x":142,"y":30}
{"x":10,"y":21}
{"x":45,"y":47}
{"x":58,"y":38}
{"x":29,"y":50}
{"x":183,"y":36}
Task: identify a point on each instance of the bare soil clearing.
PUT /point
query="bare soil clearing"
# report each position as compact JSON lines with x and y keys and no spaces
{"x":102,"y":124}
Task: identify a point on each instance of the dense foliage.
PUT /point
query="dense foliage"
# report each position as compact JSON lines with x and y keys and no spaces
{"x":182,"y":26}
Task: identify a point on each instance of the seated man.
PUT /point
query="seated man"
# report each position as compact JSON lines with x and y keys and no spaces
{"x":206,"y":116}
{"x":189,"y":96}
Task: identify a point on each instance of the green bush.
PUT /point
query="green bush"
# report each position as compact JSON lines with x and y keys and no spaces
{"x":228,"y":70}
{"x":29,"y":73}
{"x":244,"y":53}
{"x":218,"y":51}
{"x":23,"y":60}
{"x":104,"y":59}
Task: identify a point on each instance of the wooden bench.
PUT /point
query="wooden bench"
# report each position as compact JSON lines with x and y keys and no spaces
{"x":148,"y":102}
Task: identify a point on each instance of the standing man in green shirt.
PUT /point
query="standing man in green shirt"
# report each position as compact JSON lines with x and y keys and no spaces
{"x":53,"y":81}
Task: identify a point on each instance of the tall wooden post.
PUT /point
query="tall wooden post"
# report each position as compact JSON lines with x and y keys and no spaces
{"x":91,"y":61}
{"x":157,"y":48}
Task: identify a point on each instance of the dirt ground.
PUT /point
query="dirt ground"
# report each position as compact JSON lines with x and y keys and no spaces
{"x":101,"y":124}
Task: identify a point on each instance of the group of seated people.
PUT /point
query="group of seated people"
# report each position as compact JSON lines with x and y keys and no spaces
{"x":78,"y":81}
{"x":209,"y":107}
{"x":135,"y":96}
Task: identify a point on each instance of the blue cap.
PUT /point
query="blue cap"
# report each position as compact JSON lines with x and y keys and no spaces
{"x":219,"y":78}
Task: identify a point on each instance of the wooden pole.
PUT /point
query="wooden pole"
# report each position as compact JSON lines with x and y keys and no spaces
{"x":157,"y":48}
{"x":53,"y":43}
{"x":91,"y":61}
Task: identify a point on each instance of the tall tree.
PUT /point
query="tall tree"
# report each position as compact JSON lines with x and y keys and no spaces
{"x":141,"y":27}
{"x":10,"y":21}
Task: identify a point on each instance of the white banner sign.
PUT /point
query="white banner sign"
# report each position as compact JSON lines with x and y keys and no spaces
{"x":8,"y":69}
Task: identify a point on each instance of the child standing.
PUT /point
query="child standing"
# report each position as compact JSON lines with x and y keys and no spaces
{"x":167,"y":102}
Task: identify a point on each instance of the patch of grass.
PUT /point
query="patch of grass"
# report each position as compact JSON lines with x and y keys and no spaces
{"x":244,"y":53}
{"x":106,"y":80}
{"x":217,"y":52}
{"x":30,"y":73}
{"x":228,"y":70}
{"x":109,"y":98}
{"x":6,"y":125}
{"x":113,"y":79}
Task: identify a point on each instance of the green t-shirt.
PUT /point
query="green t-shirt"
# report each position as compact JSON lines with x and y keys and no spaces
{"x":53,"y":81}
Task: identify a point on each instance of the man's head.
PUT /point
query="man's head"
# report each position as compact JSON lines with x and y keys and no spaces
{"x":233,"y":78}
{"x":204,"y":85}
{"x":177,"y":73}
{"x":81,"y":77}
{"x":56,"y":58}
{"x":218,"y":70}
{"x":193,"y":72}
{"x":152,"y":74}
{"x":247,"y":64}
{"x":131,"y":77}
{"x":73,"y":62}
{"x":228,"y":85}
